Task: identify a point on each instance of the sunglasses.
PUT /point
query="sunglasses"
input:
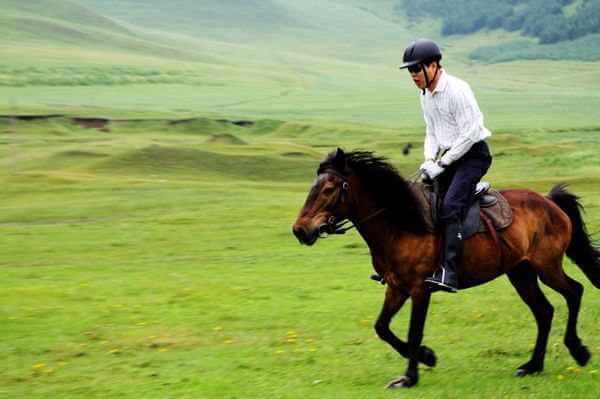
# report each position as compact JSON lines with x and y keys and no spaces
{"x":415,"y":68}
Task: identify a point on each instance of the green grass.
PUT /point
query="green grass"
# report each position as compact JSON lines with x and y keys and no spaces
{"x":162,"y":264}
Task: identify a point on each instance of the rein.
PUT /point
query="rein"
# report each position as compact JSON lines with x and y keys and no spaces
{"x":333,"y":227}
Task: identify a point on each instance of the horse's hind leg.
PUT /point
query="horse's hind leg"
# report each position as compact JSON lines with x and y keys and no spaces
{"x":524,"y":279}
{"x":556,"y":279}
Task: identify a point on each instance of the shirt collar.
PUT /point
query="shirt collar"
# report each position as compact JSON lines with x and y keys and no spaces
{"x":442,"y":82}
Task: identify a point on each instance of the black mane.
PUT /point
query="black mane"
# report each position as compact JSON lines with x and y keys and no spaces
{"x":384,"y":184}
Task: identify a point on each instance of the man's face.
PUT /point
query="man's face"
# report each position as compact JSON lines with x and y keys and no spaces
{"x":418,"y":75}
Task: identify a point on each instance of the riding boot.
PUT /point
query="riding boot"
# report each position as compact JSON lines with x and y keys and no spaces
{"x":444,"y":277}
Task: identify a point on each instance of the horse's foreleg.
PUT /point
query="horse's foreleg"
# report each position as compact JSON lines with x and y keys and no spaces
{"x":420,"y":303}
{"x":394,"y":300}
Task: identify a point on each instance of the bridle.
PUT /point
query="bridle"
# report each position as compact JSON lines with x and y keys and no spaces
{"x":334,"y":226}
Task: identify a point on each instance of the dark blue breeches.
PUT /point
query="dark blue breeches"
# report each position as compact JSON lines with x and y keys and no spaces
{"x":460,"y":179}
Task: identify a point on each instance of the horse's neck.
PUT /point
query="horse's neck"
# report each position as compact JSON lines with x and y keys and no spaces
{"x":373,"y":226}
{"x":392,"y":249}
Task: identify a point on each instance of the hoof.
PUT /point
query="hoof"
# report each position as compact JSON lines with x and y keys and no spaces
{"x":581,"y":354}
{"x":427,"y":356}
{"x":528,"y":369}
{"x":402,"y":382}
{"x":522,"y":373}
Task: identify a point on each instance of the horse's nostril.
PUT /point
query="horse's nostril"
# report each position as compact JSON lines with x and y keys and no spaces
{"x":300,"y":233}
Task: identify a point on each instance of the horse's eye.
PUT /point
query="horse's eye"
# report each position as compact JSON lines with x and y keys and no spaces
{"x":328,"y":191}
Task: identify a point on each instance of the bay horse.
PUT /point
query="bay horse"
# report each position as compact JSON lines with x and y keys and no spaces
{"x":367,"y":191}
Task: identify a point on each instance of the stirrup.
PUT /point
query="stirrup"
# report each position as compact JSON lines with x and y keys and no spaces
{"x":436,"y":282}
{"x":435,"y":285}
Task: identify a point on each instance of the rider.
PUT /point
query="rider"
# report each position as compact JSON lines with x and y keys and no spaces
{"x":456,"y":154}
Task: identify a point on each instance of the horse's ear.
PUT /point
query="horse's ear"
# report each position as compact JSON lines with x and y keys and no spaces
{"x":340,"y":157}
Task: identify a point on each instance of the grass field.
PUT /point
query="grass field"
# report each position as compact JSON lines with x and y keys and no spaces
{"x":157,"y":261}
{"x":154,"y":258}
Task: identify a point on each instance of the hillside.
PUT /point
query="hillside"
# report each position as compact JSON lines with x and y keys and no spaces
{"x":322,"y":28}
{"x":330,"y":60}
{"x":551,"y":21}
{"x":554,"y":30}
{"x":63,"y":25}
{"x":240,"y":37}
{"x":340,"y":27}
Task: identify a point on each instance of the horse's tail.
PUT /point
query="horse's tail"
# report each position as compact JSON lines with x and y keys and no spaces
{"x":581,"y":250}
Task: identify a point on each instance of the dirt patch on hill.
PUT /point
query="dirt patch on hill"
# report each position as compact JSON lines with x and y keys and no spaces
{"x":104,"y":124}
{"x":93,"y":123}
{"x":226,"y":138}
{"x":30,"y":118}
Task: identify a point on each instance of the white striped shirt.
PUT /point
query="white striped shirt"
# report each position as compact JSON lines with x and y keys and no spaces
{"x":453,"y":119}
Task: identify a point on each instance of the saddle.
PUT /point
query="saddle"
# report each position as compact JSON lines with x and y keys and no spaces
{"x":489,"y":210}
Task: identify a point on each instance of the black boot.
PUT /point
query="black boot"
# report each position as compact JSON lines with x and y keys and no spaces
{"x":444,"y":277}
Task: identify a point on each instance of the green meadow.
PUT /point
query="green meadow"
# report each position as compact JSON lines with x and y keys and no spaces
{"x":151,"y":255}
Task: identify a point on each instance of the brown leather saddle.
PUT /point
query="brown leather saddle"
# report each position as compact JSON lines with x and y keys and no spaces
{"x":489,"y":209}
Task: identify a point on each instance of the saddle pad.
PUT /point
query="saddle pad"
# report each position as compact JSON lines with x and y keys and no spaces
{"x":500,"y":213}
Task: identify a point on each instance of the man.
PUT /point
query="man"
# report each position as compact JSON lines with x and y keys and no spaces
{"x":456,"y":155}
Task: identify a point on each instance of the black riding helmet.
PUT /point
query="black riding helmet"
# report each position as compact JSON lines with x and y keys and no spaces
{"x":421,"y":51}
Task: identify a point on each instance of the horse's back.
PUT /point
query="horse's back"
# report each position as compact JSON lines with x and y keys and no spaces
{"x":536,"y":205}
{"x":539,"y":234}
{"x":540,"y":228}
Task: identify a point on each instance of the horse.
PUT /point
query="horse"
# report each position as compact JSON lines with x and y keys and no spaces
{"x":361,"y":188}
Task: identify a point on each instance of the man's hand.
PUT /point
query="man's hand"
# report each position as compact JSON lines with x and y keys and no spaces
{"x":427,"y":162}
{"x":432,"y":169}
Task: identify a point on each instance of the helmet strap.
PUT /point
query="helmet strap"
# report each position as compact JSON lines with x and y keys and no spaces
{"x":427,"y":81}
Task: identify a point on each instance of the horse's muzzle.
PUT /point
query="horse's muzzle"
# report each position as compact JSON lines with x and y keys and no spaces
{"x":304,"y":236}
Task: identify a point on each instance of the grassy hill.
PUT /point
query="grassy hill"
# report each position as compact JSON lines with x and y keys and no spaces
{"x":334,"y":29}
{"x":327,"y":60}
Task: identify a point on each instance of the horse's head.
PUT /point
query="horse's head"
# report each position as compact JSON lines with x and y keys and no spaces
{"x":328,"y":200}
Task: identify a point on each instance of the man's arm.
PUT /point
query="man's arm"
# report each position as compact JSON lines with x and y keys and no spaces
{"x":469,"y":121}
{"x":430,"y":146}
